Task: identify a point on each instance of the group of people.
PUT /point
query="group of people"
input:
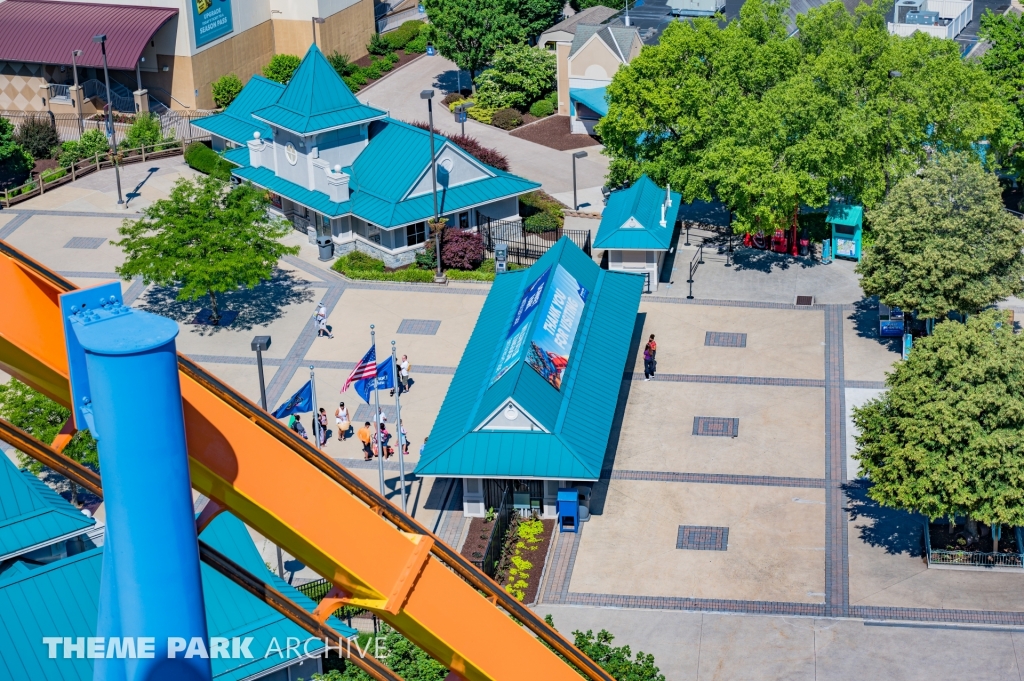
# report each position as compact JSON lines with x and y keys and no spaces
{"x":377,"y":441}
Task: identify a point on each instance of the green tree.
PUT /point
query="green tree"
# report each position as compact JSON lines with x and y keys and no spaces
{"x":38,"y":136}
{"x":519,"y":75}
{"x":204,"y":239}
{"x":43,"y":418}
{"x":397,"y":652}
{"x":943,"y":241}
{"x":1004,"y":60}
{"x":226,"y":88}
{"x":947,"y":437}
{"x":281,"y":67}
{"x":145,"y":131}
{"x":616,"y":660}
{"x":580,"y":5}
{"x":15,"y":162}
{"x":469,"y":32}
{"x":92,"y":142}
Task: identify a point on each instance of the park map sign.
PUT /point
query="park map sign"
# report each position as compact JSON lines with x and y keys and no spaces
{"x":558,"y":300}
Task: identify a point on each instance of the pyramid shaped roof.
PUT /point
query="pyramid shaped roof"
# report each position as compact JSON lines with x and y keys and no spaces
{"x":316,"y":99}
{"x":632,"y":218}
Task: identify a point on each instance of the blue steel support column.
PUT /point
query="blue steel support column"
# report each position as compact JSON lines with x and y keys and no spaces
{"x":151,"y":559}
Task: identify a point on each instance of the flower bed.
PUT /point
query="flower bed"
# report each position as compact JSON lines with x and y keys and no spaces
{"x":358,"y":265}
{"x":525,"y":564}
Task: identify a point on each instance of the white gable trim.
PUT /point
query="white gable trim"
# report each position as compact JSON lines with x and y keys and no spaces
{"x":461,"y":154}
{"x":615,"y":53}
{"x":504,"y":405}
{"x":631,"y":223}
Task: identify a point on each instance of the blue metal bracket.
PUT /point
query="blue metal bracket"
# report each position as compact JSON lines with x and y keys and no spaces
{"x":80,"y":308}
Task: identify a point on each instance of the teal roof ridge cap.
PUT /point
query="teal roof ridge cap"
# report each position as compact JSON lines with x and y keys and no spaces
{"x":7,"y":580}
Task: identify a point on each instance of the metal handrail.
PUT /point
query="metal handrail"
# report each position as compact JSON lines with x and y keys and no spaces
{"x":90,"y":480}
{"x":58,"y":91}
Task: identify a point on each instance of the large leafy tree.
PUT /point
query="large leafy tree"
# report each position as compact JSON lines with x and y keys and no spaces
{"x":43,"y":419}
{"x":1004,"y":60}
{"x":519,"y":75}
{"x":947,"y":437}
{"x":469,"y":32}
{"x":15,"y":162}
{"x":944,"y":242}
{"x":616,"y":660}
{"x":204,"y":239}
{"x":768,"y":123}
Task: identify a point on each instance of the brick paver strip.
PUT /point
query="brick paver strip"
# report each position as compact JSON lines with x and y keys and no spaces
{"x":724,"y":339}
{"x":718,"y":479}
{"x":13,"y":224}
{"x":730,"y":380}
{"x":29,"y":212}
{"x":702,"y":538}
{"x":837,"y":572}
{"x":85,"y":242}
{"x":334,"y":277}
{"x":420,"y":327}
{"x":715,"y":426}
{"x":388,"y":466}
{"x":700,"y":604}
{"x":364,"y":413}
{"x":876,"y":385}
{"x":136,"y":289}
{"x":89,"y":275}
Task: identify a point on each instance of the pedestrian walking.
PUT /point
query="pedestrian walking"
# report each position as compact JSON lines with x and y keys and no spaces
{"x":321,"y":328}
{"x":381,"y":416}
{"x":403,"y":438}
{"x":298,"y":428}
{"x":341,"y":421}
{"x":650,"y":358}
{"x":321,"y":311}
{"x":383,"y":442}
{"x":321,"y":420}
{"x":367,"y":439}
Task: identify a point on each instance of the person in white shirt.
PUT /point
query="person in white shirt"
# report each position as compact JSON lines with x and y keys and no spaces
{"x":403,"y":376}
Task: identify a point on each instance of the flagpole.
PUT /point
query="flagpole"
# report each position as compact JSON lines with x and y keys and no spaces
{"x":398,"y":419}
{"x":376,"y":416}
{"x":316,"y":414}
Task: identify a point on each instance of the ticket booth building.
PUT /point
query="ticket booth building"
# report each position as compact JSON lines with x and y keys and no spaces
{"x":847,"y":224}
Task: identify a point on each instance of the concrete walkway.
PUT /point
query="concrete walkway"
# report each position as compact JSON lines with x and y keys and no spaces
{"x":399,"y":93}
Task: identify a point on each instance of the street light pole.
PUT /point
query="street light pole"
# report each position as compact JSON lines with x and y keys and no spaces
{"x":429,"y":96}
{"x":259,"y":344}
{"x":316,"y":20}
{"x":102,"y":40}
{"x":578,"y":154}
{"x":77,"y":100}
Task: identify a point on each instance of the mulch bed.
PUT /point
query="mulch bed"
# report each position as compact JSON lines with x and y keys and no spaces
{"x":553,"y":132}
{"x":538,"y":558}
{"x":403,"y":59}
{"x":44,"y":164}
{"x":943,"y":540}
{"x":478,"y":528}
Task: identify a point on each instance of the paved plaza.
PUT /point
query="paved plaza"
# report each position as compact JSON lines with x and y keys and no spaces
{"x":730,"y":534}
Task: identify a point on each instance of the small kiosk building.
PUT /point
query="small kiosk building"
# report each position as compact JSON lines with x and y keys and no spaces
{"x":637,"y":229}
{"x":847,"y":223}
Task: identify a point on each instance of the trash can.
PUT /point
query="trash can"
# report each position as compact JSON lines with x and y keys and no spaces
{"x":584,"y":492}
{"x":568,"y":502}
{"x":326,"y":246}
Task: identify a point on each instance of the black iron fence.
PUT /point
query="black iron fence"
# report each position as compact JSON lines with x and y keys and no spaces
{"x":492,"y":554}
{"x":177,"y":124}
{"x":526,"y":248}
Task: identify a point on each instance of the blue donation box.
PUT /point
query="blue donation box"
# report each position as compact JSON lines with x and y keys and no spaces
{"x":847,"y":222}
{"x":890,"y":321}
{"x":568,"y":509}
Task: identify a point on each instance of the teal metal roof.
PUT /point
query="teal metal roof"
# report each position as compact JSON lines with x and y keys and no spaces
{"x":316,"y":99}
{"x":32,"y":514}
{"x":383,"y":173}
{"x":845,"y":214}
{"x":632,"y":218}
{"x":236,"y":123}
{"x":594,"y":99}
{"x":61,"y":599}
{"x":577,"y":417}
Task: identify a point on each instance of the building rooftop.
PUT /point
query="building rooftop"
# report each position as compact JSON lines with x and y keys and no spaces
{"x":632,"y":218}
{"x":535,"y":392}
{"x":236,"y":122}
{"x":591,"y":15}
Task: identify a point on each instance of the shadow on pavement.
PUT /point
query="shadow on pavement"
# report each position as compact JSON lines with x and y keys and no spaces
{"x":600,"y":489}
{"x":448,"y":81}
{"x":258,"y":306}
{"x":898,"y":532}
{"x":865,"y":323}
{"x":746,"y":258}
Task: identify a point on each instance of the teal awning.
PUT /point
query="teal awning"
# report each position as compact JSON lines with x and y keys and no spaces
{"x":845,"y":214}
{"x":593,"y":98}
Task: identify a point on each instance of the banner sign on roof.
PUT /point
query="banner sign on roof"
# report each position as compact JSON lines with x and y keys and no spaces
{"x":553,"y":338}
{"x":212,"y":19}
{"x":516,"y":338}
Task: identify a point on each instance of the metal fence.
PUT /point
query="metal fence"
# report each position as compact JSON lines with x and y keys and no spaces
{"x":525,"y":248}
{"x":489,"y":562}
{"x":359,"y":619}
{"x":177,"y":124}
{"x":973,"y":558}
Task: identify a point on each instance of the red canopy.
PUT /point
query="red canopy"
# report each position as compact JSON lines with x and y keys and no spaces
{"x":39,"y":31}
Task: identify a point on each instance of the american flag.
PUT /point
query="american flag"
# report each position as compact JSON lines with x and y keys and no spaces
{"x":366,"y":368}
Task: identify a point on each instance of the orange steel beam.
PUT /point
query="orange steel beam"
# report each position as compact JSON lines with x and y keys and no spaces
{"x":325,"y":516}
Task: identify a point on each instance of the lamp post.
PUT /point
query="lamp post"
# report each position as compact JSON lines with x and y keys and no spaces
{"x":102,"y":40}
{"x":261,"y":344}
{"x":77,"y":102}
{"x":888,"y":138}
{"x":578,"y":154}
{"x":316,"y":20}
{"x":429,"y":96}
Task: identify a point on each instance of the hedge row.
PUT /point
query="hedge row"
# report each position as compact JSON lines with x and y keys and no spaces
{"x":206,"y":160}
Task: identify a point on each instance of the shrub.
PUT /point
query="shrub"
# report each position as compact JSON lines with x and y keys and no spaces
{"x":340,"y":63}
{"x":537,"y":202}
{"x":462,"y":250}
{"x":542,"y":108}
{"x":359,"y":265}
{"x":145,"y":131}
{"x":91,"y":143}
{"x":506,"y":119}
{"x":541,"y":222}
{"x":357,"y":260}
{"x":38,"y":137}
{"x":15,"y":162}
{"x":405,"y":33}
{"x":28,"y":188}
{"x":206,"y":160}
{"x":225,"y":89}
{"x":451,"y":99}
{"x":355,"y":81}
{"x":418,"y":45}
{"x":471,"y":146}
{"x":553,"y":98}
{"x":519,"y":74}
{"x":281,"y":67}
{"x":378,"y":45}
{"x":373,"y":71}
{"x":53,"y":174}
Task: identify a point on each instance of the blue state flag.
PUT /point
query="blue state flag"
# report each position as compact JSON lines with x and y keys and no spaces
{"x":385,"y":380}
{"x":299,"y":403}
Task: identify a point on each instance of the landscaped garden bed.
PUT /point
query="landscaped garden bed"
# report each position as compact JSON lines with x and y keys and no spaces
{"x":954,"y":545}
{"x":523,"y":556}
{"x":555,"y":132}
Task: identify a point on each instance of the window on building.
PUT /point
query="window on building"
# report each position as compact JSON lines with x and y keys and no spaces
{"x":464,"y":220}
{"x":323,"y":224}
{"x":415,"y":234}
